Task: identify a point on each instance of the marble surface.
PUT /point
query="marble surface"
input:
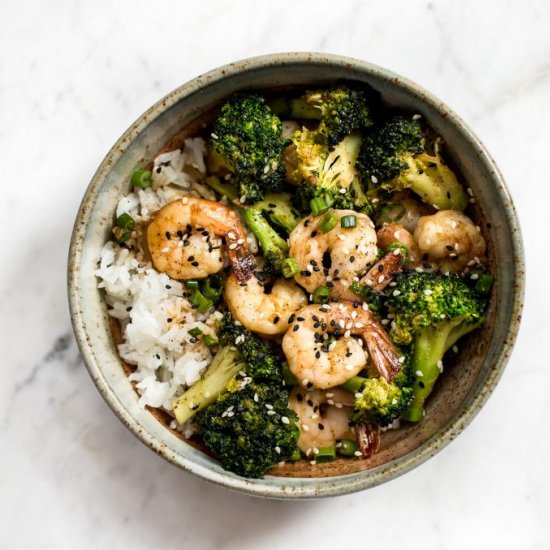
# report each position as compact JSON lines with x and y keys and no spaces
{"x":73,"y":76}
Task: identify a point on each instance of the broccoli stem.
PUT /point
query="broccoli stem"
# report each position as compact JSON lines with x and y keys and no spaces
{"x":277,"y":207}
{"x":294,"y":108}
{"x":225,"y":365}
{"x":268,"y":238}
{"x":353,"y":385}
{"x":430,"y":346}
{"x":222,"y":188}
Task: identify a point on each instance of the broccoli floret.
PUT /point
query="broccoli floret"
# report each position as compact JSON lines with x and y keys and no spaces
{"x":340,"y":110}
{"x":274,"y":247}
{"x":278,"y":208}
{"x":328,"y":174}
{"x":248,"y":437}
{"x":377,"y":400}
{"x":393,"y":157}
{"x":225,"y":365}
{"x":248,"y":139}
{"x":261,"y":363}
{"x":432,"y":311}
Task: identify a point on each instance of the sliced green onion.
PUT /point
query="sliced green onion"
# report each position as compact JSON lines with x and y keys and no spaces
{"x":290,"y":268}
{"x":125,"y":221}
{"x":325,"y":454}
{"x":288,"y":376}
{"x":203,"y":304}
{"x":210,"y":340}
{"x":348,"y":222}
{"x":121,"y":235}
{"x":346,"y":447}
{"x":193,"y":285}
{"x":224,"y":189}
{"x":142,"y":178}
{"x":328,"y":222}
{"x":399,"y":246}
{"x":195,"y":331}
{"x":392,"y":212}
{"x":484,"y":283}
{"x":320,"y":295}
{"x":296,"y":455}
{"x":212,"y":288}
{"x":318,"y":205}
{"x":326,"y":343}
{"x":373,"y":299}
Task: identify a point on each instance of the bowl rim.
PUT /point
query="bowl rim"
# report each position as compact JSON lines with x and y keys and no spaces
{"x":342,"y":484}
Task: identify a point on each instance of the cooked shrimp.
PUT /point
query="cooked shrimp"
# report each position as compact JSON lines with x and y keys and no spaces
{"x":318,"y":365}
{"x":263,"y":306}
{"x":395,"y":233}
{"x":322,"y":417}
{"x":450,"y":239}
{"x":183,"y":240}
{"x":333,"y":259}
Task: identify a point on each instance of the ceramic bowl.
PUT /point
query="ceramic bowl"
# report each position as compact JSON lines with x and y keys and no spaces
{"x":463,"y":389}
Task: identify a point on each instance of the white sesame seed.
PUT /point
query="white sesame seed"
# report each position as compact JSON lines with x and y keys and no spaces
{"x":365,"y":306}
{"x":397,"y":234}
{"x":472,"y":200}
{"x":385,"y":322}
{"x":312,"y":462}
{"x":381,"y":278}
{"x":231,"y":235}
{"x":440,"y":365}
{"x":353,"y":314}
{"x":402,"y":359}
{"x":329,"y":394}
{"x":419,"y":373}
{"x":315,"y":451}
{"x":374,"y":179}
{"x":416,"y":117}
{"x":285,"y":420}
{"x":470,"y":192}
{"x":345,"y":250}
{"x":242,"y":200}
{"x":314,"y":416}
{"x":358,"y":395}
{"x":230,"y":414}
{"x":278,"y":450}
{"x":256,"y":398}
{"x":359,"y":325}
{"x":305,"y":427}
{"x":214,"y":136}
{"x":427,"y":291}
{"x":455,"y":349}
{"x":349,"y":325}
{"x":397,"y":251}
{"x":332,"y":346}
{"x":268,"y":406}
{"x":270,"y":413}
{"x":341,"y":323}
{"x":180,"y":244}
{"x":330,"y":401}
{"x":396,"y":292}
{"x":341,"y":237}
{"x":358,"y":453}
{"x":232,"y":246}
{"x":266,"y":169}
{"x":350,"y":367}
{"x":165,"y":250}
{"x":305,"y":382}
{"x":342,"y":191}
{"x":347,"y":334}
{"x":185,"y":200}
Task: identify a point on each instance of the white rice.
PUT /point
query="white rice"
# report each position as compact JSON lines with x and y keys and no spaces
{"x":155,"y":317}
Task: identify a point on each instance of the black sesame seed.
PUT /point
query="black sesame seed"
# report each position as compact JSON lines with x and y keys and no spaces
{"x":295,"y":327}
{"x":195,"y":264}
{"x":317,"y":354}
{"x":276,"y":319}
{"x":191,"y":258}
{"x":300,"y":319}
{"x":169,"y":320}
{"x":179,"y":233}
{"x":310,"y":402}
{"x":299,"y":397}
{"x":168,"y":236}
{"x":381,"y":268}
{"x":313,"y":234}
{"x":449,"y":247}
{"x":167,"y":287}
{"x":321,"y":426}
{"x":352,"y":259}
{"x":291,"y":318}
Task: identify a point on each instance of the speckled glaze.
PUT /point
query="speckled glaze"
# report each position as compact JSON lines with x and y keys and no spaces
{"x":461,"y":392}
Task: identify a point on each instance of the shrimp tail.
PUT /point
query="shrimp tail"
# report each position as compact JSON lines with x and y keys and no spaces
{"x":382,"y":351}
{"x":368,"y":439}
{"x":243,"y":264}
{"x":381,"y":273}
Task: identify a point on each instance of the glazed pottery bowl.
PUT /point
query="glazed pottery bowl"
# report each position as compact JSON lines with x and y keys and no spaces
{"x":466,"y":384}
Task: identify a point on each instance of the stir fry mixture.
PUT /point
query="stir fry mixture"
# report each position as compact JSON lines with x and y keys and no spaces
{"x":327,"y":269}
